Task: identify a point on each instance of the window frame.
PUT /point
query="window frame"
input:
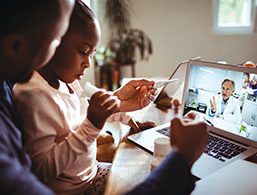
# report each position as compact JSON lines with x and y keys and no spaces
{"x":236,"y":29}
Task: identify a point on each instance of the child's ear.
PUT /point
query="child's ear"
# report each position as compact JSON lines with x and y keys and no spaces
{"x":13,"y":45}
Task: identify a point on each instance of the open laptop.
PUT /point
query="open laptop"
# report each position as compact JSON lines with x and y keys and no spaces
{"x":196,"y":82}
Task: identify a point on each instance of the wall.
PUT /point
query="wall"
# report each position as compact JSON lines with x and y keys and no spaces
{"x":181,"y":29}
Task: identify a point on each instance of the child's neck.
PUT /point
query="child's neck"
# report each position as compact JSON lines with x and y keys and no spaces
{"x":49,"y":76}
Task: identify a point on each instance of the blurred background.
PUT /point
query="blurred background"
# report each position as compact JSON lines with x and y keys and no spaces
{"x":176,"y":30}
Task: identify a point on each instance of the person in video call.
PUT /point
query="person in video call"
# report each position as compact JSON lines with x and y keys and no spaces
{"x":250,"y":83}
{"x":224,"y":105}
{"x":250,"y":80}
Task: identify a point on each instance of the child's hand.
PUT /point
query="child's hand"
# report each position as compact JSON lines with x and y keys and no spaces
{"x":146,"y":125}
{"x":137,"y":126}
{"x":135,"y":95}
{"x":101,"y":105}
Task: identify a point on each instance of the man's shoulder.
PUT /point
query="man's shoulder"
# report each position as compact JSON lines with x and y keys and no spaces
{"x":35,"y":83}
{"x":4,"y":130}
{"x":234,"y":99}
{"x":34,"y":90}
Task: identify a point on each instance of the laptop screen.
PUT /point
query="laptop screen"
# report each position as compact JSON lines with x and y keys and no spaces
{"x":227,"y":98}
{"x":171,"y":91}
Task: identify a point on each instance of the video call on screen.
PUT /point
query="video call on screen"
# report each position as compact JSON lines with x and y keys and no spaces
{"x":206,"y":82}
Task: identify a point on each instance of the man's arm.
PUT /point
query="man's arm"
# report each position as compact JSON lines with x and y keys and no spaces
{"x":16,"y":179}
{"x":171,"y":177}
{"x":212,"y":109}
{"x":188,"y":138}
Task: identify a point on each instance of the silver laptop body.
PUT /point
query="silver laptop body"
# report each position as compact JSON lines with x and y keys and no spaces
{"x":197,"y":82}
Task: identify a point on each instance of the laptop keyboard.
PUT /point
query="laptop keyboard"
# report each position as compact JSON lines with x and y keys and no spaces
{"x":217,"y":147}
{"x":221,"y":149}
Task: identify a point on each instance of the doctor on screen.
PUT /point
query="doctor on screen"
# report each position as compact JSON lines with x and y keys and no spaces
{"x":224,"y":105}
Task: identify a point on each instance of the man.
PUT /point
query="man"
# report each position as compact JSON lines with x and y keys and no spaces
{"x":30,"y":31}
{"x":225,"y":105}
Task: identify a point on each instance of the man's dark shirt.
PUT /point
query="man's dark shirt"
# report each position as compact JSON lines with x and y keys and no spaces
{"x":15,"y":174}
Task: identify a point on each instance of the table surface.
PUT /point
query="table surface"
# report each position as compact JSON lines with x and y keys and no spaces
{"x":131,"y":164}
{"x":130,"y":167}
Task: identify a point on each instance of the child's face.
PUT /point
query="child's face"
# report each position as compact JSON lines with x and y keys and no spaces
{"x":75,"y":53}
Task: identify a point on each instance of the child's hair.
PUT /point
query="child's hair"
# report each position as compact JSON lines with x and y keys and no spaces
{"x":26,"y":16}
{"x":82,"y":16}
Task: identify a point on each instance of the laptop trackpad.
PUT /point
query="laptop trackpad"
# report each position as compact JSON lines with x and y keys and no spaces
{"x":206,"y":165}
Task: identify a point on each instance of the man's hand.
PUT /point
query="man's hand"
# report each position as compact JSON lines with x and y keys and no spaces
{"x":135,"y":95}
{"x":189,"y":137}
{"x":101,"y":105}
{"x":213,"y":104}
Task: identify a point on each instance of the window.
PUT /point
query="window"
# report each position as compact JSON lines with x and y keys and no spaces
{"x":87,"y":2}
{"x":92,"y":5}
{"x":234,"y":16}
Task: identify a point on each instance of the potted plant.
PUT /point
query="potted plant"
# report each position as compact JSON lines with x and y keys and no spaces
{"x":126,"y":45}
{"x":129,"y":44}
{"x":125,"y":42}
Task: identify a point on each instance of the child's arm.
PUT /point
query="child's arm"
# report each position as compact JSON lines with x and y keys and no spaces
{"x":140,"y":126}
{"x":53,"y":146}
{"x":125,"y":119}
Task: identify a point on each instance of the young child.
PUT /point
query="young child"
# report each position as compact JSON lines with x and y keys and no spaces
{"x":28,"y":39}
{"x":60,"y":125}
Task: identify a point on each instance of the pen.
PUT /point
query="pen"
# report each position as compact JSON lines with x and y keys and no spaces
{"x":209,"y":122}
{"x":161,"y":83}
{"x":134,"y":124}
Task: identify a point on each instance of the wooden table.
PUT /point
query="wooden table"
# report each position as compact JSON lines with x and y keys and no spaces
{"x":127,"y":173}
{"x":131,"y":164}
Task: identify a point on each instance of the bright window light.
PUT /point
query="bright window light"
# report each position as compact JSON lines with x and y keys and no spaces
{"x":234,"y":16}
{"x":87,"y":2}
{"x":93,"y":5}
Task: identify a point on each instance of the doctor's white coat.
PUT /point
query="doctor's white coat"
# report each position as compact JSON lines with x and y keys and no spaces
{"x":231,"y":112}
